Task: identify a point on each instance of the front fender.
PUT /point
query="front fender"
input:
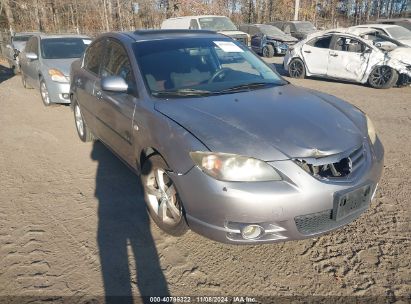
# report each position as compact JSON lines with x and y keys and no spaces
{"x":165,"y":136}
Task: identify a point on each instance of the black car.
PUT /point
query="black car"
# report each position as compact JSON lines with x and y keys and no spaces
{"x":297,"y":29}
{"x":267,"y":39}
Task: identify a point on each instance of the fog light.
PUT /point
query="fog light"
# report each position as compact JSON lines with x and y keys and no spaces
{"x":252,"y":231}
{"x":65,"y":96}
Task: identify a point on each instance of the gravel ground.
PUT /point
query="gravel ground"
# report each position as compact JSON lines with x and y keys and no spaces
{"x":72,"y":220}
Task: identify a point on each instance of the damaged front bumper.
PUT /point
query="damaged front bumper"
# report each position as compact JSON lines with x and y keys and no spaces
{"x":298,"y":207}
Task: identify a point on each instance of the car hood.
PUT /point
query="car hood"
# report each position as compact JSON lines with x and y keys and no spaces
{"x":402,"y":54}
{"x":285,"y":38}
{"x":270,"y":124}
{"x":60,"y":64}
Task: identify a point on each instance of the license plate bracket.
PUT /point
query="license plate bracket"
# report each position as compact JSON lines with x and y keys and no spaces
{"x":348,"y":203}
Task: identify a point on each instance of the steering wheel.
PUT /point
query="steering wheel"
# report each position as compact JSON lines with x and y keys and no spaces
{"x":218,"y":75}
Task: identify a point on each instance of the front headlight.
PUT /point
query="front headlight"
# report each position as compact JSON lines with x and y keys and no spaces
{"x":371,"y":130}
{"x":57,"y":76}
{"x":234,"y":168}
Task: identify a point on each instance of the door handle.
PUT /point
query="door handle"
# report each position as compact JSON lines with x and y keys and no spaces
{"x":307,"y":51}
{"x":99,"y":95}
{"x":334,"y":55}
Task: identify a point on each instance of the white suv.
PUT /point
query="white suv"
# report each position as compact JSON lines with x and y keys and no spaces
{"x":220,"y":24}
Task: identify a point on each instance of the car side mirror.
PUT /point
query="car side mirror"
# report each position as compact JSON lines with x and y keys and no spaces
{"x":32,"y":56}
{"x":114,"y":84}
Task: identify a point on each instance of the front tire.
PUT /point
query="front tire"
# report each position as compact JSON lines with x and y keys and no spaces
{"x":296,"y":68}
{"x":82,"y":130}
{"x":383,"y":77}
{"x":44,"y":92}
{"x":161,"y":197}
{"x":268,"y":51}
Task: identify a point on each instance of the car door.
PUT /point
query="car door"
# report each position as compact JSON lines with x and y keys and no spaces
{"x":23,"y":58}
{"x":85,"y":80}
{"x":315,"y":54}
{"x":348,"y":58}
{"x":31,"y":67}
{"x":116,"y":110}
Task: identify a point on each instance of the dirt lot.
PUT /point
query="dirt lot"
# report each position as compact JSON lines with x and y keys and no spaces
{"x":72,"y":222}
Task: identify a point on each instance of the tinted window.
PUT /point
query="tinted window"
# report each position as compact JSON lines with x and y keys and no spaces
{"x":21,"y":38}
{"x":93,"y":57}
{"x":203,"y":64}
{"x":217,"y":24}
{"x":323,"y":43}
{"x":116,"y":63}
{"x":399,"y":33}
{"x":61,"y":48}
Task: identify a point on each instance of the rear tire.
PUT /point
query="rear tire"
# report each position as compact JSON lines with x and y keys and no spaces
{"x":296,"y":68}
{"x":161,"y":197}
{"x":268,"y":51}
{"x":383,"y":77}
{"x":82,"y":130}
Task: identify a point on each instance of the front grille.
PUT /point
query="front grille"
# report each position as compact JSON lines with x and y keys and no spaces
{"x":319,"y":222}
{"x":341,"y":168}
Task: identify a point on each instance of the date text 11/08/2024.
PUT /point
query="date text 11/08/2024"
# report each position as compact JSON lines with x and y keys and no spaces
{"x":205,"y":299}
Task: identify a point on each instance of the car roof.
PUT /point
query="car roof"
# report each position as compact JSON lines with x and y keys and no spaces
{"x":144,"y":35}
{"x":352,"y":31}
{"x":379,"y":25}
{"x":55,"y":36}
{"x":25,"y":33}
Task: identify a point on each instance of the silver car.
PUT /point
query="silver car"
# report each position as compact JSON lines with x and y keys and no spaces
{"x":17,"y":43}
{"x":223,"y":144}
{"x":45,"y":64}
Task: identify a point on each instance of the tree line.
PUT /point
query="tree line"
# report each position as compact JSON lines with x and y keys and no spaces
{"x":94,"y":16}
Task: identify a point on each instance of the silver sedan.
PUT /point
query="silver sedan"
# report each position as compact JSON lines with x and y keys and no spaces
{"x":223,"y":144}
{"x":45,"y":64}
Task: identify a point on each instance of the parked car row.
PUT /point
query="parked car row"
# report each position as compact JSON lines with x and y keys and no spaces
{"x":45,"y":64}
{"x":358,"y":54}
{"x":223,"y":144}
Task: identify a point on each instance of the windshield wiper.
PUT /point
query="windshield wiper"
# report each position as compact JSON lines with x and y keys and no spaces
{"x":246,"y":87}
{"x":183,"y":92}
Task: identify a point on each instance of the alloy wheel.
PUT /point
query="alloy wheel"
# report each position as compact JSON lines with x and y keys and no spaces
{"x":44,"y":93}
{"x":381,"y":75}
{"x":163,"y":198}
{"x":296,"y":69}
{"x":79,"y":120}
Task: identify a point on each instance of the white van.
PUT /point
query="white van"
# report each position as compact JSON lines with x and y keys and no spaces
{"x":220,"y":24}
